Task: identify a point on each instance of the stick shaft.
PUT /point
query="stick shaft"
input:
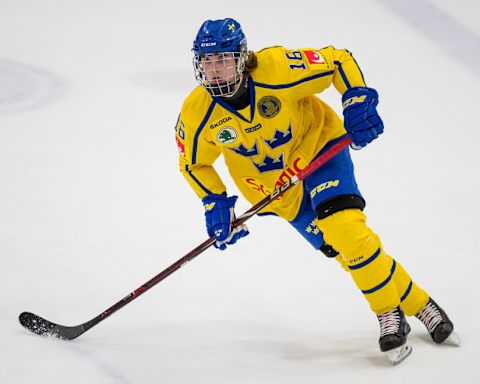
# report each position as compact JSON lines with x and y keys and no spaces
{"x":312,"y":167}
{"x":41,"y":326}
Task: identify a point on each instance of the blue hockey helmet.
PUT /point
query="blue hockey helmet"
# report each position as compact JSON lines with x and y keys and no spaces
{"x":220,"y":52}
{"x":215,"y":36}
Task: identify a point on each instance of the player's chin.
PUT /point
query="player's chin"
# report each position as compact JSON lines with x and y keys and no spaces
{"x":220,"y":82}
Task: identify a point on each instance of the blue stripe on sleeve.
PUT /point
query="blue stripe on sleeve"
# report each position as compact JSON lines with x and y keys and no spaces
{"x":199,"y":130}
{"x":342,"y":73}
{"x":359,"y":69}
{"x":282,"y":86}
{"x":204,"y":189}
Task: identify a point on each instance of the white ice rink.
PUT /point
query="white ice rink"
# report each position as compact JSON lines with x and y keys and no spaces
{"x":92,"y":204}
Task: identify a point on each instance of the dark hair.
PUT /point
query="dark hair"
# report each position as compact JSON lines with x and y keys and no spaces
{"x":251,"y":63}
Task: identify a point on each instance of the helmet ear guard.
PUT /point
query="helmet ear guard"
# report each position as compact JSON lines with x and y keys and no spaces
{"x":216,"y":44}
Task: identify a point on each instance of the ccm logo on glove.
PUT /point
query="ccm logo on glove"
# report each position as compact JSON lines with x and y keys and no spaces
{"x":361,"y":119}
{"x":354,"y":100}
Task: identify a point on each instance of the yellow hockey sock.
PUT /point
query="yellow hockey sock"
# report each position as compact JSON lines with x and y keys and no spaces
{"x":412,"y":297}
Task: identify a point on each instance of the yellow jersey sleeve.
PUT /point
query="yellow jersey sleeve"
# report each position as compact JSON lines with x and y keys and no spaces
{"x":347,"y":73}
{"x":197,"y":152}
{"x":298,"y":73}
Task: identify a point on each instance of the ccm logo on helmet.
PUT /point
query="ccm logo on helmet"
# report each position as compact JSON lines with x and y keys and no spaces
{"x":211,"y":44}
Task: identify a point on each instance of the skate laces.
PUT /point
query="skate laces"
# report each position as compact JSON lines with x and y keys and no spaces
{"x":389,"y":322}
{"x":430,"y":316}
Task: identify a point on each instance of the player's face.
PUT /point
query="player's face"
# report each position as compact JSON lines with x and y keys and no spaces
{"x":219,"y":68}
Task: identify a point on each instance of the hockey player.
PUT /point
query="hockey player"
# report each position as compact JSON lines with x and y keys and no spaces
{"x":259,"y":110}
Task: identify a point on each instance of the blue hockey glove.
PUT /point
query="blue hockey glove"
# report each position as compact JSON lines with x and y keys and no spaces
{"x":361,"y":118}
{"x":219,"y":214}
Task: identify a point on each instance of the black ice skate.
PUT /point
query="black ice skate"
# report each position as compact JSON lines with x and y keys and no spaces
{"x":393,"y":335}
{"x":438,"y":324}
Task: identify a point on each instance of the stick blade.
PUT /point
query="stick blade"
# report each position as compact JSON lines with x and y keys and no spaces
{"x":43,"y":327}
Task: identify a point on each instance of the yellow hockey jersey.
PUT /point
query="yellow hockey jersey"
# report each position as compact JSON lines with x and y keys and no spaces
{"x":277,"y":135}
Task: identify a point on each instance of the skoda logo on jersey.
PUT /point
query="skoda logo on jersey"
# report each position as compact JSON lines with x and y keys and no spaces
{"x":227,"y":135}
{"x":269,"y":106}
{"x":220,"y":122}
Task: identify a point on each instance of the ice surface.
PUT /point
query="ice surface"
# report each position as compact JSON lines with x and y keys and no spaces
{"x":92,"y":204}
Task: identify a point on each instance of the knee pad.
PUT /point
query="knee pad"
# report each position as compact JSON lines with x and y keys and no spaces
{"x":334,"y":205}
{"x":338,"y":203}
{"x":348,"y":233}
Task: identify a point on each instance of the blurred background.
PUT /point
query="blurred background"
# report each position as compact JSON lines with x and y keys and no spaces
{"x":92,"y":204}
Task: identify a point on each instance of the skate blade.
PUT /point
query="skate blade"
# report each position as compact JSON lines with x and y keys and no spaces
{"x":397,"y":355}
{"x":452,"y":339}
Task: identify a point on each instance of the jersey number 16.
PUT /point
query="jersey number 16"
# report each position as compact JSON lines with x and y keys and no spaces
{"x":296,"y":56}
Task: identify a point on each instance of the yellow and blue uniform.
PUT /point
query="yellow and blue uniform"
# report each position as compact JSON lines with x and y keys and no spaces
{"x":282,"y":129}
{"x":280,"y":132}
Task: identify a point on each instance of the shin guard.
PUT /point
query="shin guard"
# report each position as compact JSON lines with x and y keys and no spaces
{"x":362,"y":255}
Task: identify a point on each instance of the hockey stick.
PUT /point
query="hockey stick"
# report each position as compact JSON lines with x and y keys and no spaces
{"x":40,"y":326}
